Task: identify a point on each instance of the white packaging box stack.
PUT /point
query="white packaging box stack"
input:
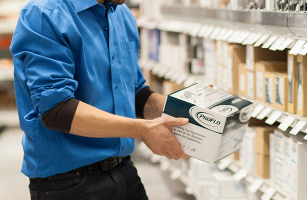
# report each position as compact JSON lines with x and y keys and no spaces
{"x":200,"y":169}
{"x":272,"y":157}
{"x":202,"y":188}
{"x":298,"y":169}
{"x":279,"y":146}
{"x":209,"y":60}
{"x":247,"y":152}
{"x":226,"y":187}
{"x":217,"y":121}
{"x":252,"y":196}
{"x":287,"y":164}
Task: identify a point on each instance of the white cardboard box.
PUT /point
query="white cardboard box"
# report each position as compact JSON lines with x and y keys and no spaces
{"x":287,"y":161}
{"x":200,"y":169}
{"x":279,"y":143}
{"x":272,"y":157}
{"x":217,"y":121}
{"x":225,"y":186}
{"x":202,"y":188}
{"x":299,"y":167}
{"x":247,"y":152}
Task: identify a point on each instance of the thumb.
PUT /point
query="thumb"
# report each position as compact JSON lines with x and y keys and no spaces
{"x":178,"y":121}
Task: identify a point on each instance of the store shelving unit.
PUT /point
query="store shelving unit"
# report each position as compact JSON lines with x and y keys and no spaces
{"x":270,"y":29}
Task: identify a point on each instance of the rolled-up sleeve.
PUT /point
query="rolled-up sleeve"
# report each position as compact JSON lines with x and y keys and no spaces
{"x":41,"y":45}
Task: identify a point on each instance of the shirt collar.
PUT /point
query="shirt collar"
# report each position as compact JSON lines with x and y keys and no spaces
{"x":81,"y":5}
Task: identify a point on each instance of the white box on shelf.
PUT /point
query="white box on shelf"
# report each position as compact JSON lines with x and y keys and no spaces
{"x":279,"y":170}
{"x":272,"y":157}
{"x":201,"y":191}
{"x":298,"y":169}
{"x":279,"y":143}
{"x":217,"y":121}
{"x":287,"y":164}
{"x":225,"y":186}
{"x":200,"y":169}
{"x":247,"y":152}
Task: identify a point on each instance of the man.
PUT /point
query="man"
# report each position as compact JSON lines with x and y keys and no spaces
{"x":78,"y":87}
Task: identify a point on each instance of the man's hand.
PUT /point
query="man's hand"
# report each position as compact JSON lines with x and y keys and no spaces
{"x":160,"y":138}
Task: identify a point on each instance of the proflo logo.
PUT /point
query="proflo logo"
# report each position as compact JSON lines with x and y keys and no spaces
{"x":204,"y":118}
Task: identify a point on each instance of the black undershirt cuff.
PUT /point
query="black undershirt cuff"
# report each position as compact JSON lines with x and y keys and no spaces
{"x":141,"y":98}
{"x":60,"y":117}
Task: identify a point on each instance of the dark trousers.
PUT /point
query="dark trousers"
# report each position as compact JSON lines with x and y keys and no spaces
{"x":119,"y":183}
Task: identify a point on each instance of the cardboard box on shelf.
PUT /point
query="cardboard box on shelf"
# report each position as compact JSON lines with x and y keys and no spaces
{"x":170,"y":87}
{"x":236,"y":155}
{"x":236,"y":55}
{"x":210,"y":61}
{"x":281,"y":88}
{"x":202,"y":188}
{"x":217,"y":121}
{"x":225,"y":186}
{"x":257,"y":54}
{"x":292,"y":83}
{"x":250,"y":84}
{"x":302,"y":85}
{"x":298,"y":169}
{"x":263,"y":166}
{"x":262,"y":141}
{"x":242,"y":79}
{"x":269,"y":88}
{"x":197,"y":66}
{"x":261,"y":68}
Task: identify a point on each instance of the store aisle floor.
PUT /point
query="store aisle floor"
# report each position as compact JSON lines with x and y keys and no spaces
{"x":14,"y":185}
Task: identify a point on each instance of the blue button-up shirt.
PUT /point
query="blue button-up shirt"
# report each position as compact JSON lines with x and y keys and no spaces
{"x":69,"y":49}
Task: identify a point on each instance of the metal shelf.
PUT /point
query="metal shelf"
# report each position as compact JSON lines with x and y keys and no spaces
{"x":264,"y":185}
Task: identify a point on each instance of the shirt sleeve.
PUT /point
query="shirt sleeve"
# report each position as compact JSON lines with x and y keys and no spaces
{"x":40,"y":43}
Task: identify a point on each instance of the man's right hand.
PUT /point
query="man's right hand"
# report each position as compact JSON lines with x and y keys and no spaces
{"x":158,"y":136}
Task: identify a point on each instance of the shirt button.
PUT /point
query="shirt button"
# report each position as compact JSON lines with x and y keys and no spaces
{"x":105,"y":28}
{"x":113,"y":57}
{"x":116,"y":87}
{"x":123,"y":147}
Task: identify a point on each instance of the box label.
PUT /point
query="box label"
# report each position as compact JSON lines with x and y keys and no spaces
{"x":259,"y":84}
{"x":250,"y":57}
{"x":242,"y":82}
{"x":300,"y":86}
{"x":279,"y":91}
{"x":250,"y":84}
{"x":290,"y":79}
{"x":269,"y":90}
{"x":230,"y":73}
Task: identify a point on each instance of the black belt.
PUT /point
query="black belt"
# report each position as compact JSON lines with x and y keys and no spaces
{"x":105,"y":164}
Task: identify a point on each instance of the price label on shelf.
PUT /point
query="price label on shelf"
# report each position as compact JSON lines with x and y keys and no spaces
{"x":209,"y":31}
{"x":169,"y":74}
{"x":298,"y":127}
{"x":234,"y":36}
{"x":165,"y":165}
{"x":223,"y":164}
{"x":189,"y":81}
{"x":264,"y":113}
{"x":297,"y":47}
{"x":255,"y":39}
{"x":215,"y":33}
{"x":176,"y":174}
{"x":269,"y":193}
{"x":257,"y":109}
{"x":248,"y":39}
{"x":221,"y":34}
{"x":255,"y":185}
{"x":162,"y":72}
{"x":242,"y":173}
{"x":277,"y":43}
{"x":261,"y":40}
{"x":274,"y":117}
{"x":285,"y":44}
{"x":202,"y":31}
{"x":270,"y":41}
{"x":242,"y":37}
{"x":175,"y":76}
{"x":227,"y":34}
{"x":286,"y":123}
{"x":181,"y":79}
{"x":303,"y":50}
{"x":305,"y":138}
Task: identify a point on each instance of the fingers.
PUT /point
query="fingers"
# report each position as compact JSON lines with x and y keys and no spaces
{"x":177,"y":121}
{"x":210,"y":85}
